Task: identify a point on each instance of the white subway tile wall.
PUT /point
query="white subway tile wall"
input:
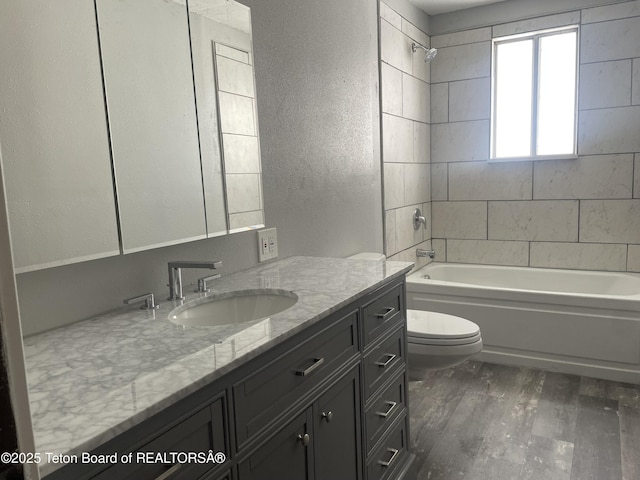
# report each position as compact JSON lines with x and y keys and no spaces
{"x":611,"y":12}
{"x":421,"y":142}
{"x":490,"y":181}
{"x":488,"y":252}
{"x":635,"y":82}
{"x":613,"y":40}
{"x":465,"y":103}
{"x":591,"y":177}
{"x":605,"y":84}
{"x":397,"y":139}
{"x":609,"y":130}
{"x":540,"y":23}
{"x":390,"y":16}
{"x":439,"y":182}
{"x":406,"y":135}
{"x":461,"y":38}
{"x":439,"y":102}
{"x":633,"y":258}
{"x":415,"y":98}
{"x":540,"y":220}
{"x":393,"y":185}
{"x":462,"y":62}
{"x":406,"y":236}
{"x":461,"y":220}
{"x":577,"y":214}
{"x":610,"y":221}
{"x":391,"y":90}
{"x":584,"y":256}
{"x":460,"y":141}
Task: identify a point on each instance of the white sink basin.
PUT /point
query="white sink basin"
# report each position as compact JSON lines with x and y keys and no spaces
{"x":233,"y":307}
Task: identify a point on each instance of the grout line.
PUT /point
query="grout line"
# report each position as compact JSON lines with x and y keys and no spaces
{"x":633,"y":172}
{"x":579,"y":218}
{"x":627,"y":259}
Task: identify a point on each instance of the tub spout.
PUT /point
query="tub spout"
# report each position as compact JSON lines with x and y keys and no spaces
{"x":425,"y":253}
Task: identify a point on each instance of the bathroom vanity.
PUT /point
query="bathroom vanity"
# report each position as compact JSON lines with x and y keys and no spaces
{"x":316,"y":391}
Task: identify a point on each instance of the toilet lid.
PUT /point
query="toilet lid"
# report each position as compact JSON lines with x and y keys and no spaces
{"x":421,"y":324}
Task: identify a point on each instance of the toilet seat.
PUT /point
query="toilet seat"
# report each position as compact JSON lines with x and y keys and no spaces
{"x":433,"y":328}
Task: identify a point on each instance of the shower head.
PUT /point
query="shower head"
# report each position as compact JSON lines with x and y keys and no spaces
{"x":430,"y":53}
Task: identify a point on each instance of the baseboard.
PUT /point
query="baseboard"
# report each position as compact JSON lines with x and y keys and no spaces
{"x":561,"y":366}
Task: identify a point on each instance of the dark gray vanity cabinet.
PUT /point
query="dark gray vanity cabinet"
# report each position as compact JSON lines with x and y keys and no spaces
{"x":322,"y":443}
{"x":327,"y":403}
{"x":287,"y":455}
{"x":337,"y":427}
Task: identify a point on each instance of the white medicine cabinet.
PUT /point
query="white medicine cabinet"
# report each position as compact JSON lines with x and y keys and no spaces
{"x":120,"y":126}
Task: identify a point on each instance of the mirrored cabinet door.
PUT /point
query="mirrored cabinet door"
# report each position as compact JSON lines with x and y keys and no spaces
{"x":152,"y":117}
{"x":202,"y":31}
{"x":222,"y":45}
{"x":53,"y":135}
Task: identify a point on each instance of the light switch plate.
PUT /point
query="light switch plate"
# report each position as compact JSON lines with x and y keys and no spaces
{"x":267,"y":244}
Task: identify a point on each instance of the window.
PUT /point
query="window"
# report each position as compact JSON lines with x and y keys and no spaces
{"x":534,"y":82}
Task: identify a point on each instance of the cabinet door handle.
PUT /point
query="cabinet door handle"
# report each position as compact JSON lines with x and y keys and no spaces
{"x":304,"y":439}
{"x":391,"y":358}
{"x":170,"y":472}
{"x":391,"y":405}
{"x":386,"y":312}
{"x":394,"y":454}
{"x":316,"y":363}
{"x":328,"y":416}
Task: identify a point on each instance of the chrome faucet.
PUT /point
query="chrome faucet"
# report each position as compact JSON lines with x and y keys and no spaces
{"x":203,"y":286}
{"x":147,"y":298}
{"x":175,"y":275}
{"x":425,"y":253}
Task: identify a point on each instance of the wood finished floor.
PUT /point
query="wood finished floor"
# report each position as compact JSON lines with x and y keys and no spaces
{"x":480,"y":421}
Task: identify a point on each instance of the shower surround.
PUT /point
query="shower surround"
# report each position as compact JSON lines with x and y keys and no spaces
{"x":575,"y":214}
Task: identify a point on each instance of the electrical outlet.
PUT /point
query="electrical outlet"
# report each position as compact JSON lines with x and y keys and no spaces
{"x":267,"y":244}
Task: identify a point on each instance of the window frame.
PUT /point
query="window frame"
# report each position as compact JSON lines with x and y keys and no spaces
{"x":535,"y":36}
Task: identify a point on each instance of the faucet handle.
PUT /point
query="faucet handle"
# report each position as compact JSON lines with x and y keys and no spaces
{"x":202,"y":282}
{"x":418,"y":219}
{"x":147,"y":298}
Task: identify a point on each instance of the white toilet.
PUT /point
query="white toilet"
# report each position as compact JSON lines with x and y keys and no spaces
{"x":436,"y":340}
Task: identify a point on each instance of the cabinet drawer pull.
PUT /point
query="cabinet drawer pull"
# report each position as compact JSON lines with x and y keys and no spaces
{"x":316,"y":363}
{"x":394,"y":454}
{"x":304,"y":439}
{"x":391,"y":358}
{"x":386,"y":312}
{"x":392,"y":406}
{"x":169,"y":472}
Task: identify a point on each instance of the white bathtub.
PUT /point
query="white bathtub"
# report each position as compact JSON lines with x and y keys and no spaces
{"x":571,"y":321}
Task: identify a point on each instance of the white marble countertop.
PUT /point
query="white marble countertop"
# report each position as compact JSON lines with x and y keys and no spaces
{"x":92,"y":380}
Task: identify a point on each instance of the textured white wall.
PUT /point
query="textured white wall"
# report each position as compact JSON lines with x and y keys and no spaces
{"x":317,"y":78}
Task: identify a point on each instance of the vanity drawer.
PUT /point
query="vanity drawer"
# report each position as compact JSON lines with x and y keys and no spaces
{"x":201,"y":432}
{"x":267,"y":393}
{"x":381,"y":314}
{"x":383,"y":361}
{"x":384,"y":410}
{"x":390,"y":453}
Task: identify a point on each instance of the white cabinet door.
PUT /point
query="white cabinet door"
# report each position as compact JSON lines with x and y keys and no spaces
{"x":53,"y":132}
{"x":152,"y":117}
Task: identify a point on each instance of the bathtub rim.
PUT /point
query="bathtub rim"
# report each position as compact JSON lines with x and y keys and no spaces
{"x":415,"y":283}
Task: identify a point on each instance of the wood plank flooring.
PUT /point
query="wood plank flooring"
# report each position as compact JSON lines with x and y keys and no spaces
{"x":480,"y":421}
